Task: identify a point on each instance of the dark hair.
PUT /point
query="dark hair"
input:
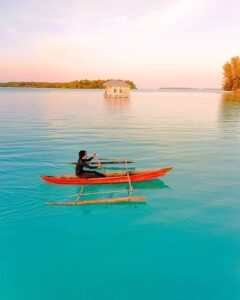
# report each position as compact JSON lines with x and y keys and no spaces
{"x":82,"y":153}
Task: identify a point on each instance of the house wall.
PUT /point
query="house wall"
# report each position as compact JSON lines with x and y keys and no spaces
{"x":117,"y":92}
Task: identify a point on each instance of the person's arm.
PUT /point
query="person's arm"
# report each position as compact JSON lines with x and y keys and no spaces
{"x":89,"y":159}
{"x":93,"y":156}
{"x":86,"y":165}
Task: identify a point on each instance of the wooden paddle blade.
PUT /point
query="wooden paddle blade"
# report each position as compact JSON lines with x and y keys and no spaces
{"x":119,"y":168}
{"x":112,"y":158}
{"x":117,"y":162}
{"x":99,"y":201}
{"x":107,"y":162}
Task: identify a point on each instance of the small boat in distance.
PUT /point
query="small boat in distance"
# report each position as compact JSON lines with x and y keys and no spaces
{"x":111,"y":177}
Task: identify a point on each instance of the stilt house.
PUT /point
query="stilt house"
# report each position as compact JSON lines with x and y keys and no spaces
{"x":116,"y":89}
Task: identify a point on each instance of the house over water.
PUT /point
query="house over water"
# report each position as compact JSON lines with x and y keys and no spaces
{"x":116,"y":89}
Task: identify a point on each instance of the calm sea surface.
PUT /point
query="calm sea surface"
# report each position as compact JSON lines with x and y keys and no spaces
{"x":183,"y":243}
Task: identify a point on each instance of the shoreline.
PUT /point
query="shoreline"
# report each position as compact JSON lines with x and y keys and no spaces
{"x":170,"y":89}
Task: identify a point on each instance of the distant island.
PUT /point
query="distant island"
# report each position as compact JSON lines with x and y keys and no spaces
{"x":187,"y":88}
{"x":77,"y":84}
{"x":176,"y":88}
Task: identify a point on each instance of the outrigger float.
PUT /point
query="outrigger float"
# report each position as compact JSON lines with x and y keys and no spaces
{"x":127,"y":176}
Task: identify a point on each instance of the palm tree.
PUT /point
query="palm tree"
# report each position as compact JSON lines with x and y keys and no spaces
{"x":231,"y":73}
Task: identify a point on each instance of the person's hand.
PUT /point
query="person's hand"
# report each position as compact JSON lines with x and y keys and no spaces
{"x":94,"y":154}
{"x":100,"y":166}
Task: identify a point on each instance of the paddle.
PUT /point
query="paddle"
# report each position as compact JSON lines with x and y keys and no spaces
{"x":99,"y":164}
{"x":117,"y":162}
{"x":120,"y":168}
{"x":112,"y":159}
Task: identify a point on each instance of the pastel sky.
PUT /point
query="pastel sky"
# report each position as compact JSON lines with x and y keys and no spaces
{"x":155,"y":43}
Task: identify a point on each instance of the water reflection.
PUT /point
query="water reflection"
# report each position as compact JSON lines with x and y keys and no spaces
{"x":115,"y":105}
{"x":150,"y":185}
{"x":231,"y":96}
{"x":117,"y":101}
{"x":230,"y":108}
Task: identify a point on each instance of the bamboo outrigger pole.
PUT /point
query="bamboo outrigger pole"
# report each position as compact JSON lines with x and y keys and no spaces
{"x":99,"y":201}
{"x":129,"y":180}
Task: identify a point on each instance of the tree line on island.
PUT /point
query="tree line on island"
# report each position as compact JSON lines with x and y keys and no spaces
{"x":77,"y":84}
{"x":231,"y":75}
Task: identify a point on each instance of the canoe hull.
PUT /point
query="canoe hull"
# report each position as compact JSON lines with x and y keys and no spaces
{"x":152,"y":174}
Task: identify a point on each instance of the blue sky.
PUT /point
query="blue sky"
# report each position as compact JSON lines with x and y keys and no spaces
{"x":154,"y":43}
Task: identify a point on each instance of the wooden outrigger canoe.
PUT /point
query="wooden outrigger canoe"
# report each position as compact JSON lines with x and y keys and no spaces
{"x":111,"y":177}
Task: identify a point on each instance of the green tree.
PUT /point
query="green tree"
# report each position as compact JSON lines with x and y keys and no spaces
{"x":76,"y":84}
{"x":231,"y":73}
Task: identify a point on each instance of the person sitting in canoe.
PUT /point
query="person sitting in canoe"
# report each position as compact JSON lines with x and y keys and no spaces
{"x":83,"y":163}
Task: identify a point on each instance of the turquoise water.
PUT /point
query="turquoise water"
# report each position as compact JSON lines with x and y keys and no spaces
{"x":183,"y":243}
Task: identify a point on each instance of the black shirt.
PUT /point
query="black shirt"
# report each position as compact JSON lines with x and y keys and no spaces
{"x":83,"y":163}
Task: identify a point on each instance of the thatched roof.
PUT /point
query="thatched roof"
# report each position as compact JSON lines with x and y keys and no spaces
{"x":116,"y":83}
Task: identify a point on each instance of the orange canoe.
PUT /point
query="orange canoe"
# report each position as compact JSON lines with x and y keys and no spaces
{"x":111,"y":177}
